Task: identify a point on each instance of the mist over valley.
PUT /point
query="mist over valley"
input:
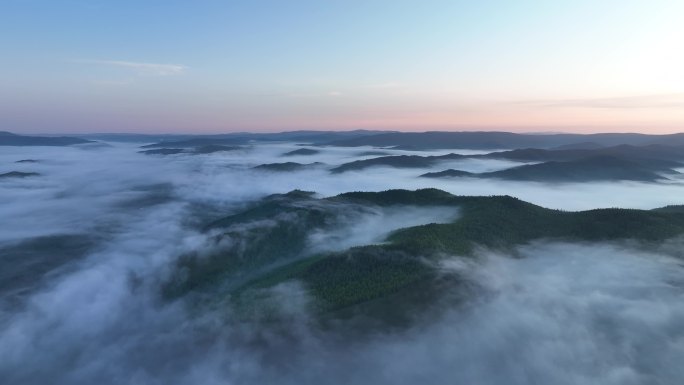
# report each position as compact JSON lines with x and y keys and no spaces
{"x":262,"y":262}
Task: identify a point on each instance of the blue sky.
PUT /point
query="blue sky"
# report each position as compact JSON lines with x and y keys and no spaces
{"x":218,"y":66}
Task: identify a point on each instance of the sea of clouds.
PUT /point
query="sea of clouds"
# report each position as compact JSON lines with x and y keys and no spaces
{"x":90,"y":311}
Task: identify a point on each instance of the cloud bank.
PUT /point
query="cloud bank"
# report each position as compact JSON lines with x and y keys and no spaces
{"x":546,"y":313}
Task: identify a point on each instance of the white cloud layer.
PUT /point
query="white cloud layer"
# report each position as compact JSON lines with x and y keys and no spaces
{"x":556,"y":313}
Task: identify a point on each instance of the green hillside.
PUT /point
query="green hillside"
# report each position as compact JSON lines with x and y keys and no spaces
{"x":269,"y":239}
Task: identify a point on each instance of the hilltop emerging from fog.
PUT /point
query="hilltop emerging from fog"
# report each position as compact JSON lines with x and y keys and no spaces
{"x":284,"y":258}
{"x":268,"y":246}
{"x":554,"y":158}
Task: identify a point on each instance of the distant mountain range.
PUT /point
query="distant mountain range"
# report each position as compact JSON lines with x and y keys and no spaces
{"x":596,"y":168}
{"x":503,"y":140}
{"x":173,"y":140}
{"x":672,"y":152}
{"x":488,"y":140}
{"x":10,"y":139}
{"x":624,"y":162}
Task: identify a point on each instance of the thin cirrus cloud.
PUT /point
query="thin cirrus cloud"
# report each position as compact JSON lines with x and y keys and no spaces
{"x":143,"y":68}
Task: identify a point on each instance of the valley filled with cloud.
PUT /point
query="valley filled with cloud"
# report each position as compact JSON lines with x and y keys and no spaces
{"x":125,"y":267}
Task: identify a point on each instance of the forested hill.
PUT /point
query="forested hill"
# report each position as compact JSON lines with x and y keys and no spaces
{"x":398,"y":161}
{"x":653,"y":152}
{"x":269,"y":244}
{"x":596,"y":168}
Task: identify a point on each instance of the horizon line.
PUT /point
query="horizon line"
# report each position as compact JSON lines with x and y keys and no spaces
{"x":379,"y":131}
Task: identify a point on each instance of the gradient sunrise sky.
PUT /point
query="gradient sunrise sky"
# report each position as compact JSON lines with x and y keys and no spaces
{"x":148,"y":66}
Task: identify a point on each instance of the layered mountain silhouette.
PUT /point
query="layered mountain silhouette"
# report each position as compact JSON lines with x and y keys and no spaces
{"x":623,"y":162}
{"x":596,"y":168}
{"x":502,"y":140}
{"x":10,"y":139}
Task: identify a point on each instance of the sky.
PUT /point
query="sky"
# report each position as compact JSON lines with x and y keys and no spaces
{"x":178,"y":66}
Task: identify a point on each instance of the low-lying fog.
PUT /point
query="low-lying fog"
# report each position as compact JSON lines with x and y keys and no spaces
{"x":375,"y":225}
{"x":88,"y":312}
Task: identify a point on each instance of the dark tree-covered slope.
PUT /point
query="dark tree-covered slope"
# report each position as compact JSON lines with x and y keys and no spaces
{"x":597,"y":168}
{"x":265,"y":245}
{"x":18,"y":174}
{"x":287,"y":166}
{"x":397,"y":161}
{"x":657,"y":154}
{"x":302,"y":151}
{"x":625,"y":162}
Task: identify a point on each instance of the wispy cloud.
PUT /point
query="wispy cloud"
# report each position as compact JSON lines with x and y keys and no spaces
{"x":144,"y":68}
{"x":625,"y":102}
